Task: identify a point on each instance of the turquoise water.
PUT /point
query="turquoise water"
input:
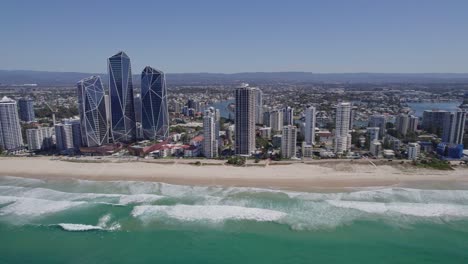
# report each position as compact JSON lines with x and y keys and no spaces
{"x":77,"y":221}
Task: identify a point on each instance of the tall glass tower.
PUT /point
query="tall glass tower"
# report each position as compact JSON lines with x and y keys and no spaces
{"x":154,"y":112}
{"x":92,"y":106}
{"x":121,"y":98}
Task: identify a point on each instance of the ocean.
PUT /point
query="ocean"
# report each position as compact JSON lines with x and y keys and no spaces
{"x":77,"y":221}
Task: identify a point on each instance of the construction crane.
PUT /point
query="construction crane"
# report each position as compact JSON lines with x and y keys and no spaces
{"x":53,"y":112}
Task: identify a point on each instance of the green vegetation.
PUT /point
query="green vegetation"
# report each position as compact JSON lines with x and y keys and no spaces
{"x":433,"y":163}
{"x":236,"y":161}
{"x":178,"y":129}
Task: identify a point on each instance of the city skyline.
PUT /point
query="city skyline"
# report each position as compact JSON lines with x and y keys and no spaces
{"x":310,"y":36}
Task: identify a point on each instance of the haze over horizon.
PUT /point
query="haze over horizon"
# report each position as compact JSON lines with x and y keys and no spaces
{"x":246,"y":36}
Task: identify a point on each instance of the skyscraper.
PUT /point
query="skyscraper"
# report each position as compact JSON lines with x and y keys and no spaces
{"x":309,"y":129}
{"x":379,"y":121}
{"x":26,"y":109}
{"x":288,"y":142}
{"x":413,"y":123}
{"x":245,"y":120}
{"x":92,"y":107}
{"x":433,"y":121}
{"x":211,"y":132}
{"x":154,"y":111}
{"x":122,"y":107}
{"x":342,"y":136}
{"x":454,"y":127}
{"x":402,"y":124}
{"x":10,"y":129}
{"x":288,"y":116}
{"x":276,"y":120}
{"x":40,"y":138}
{"x":68,"y":136}
{"x":258,"y":106}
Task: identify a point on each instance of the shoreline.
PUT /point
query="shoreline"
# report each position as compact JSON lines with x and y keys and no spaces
{"x":325,"y":175}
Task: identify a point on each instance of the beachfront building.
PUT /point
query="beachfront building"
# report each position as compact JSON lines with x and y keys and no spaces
{"x":342,"y":136}
{"x":211,"y":133}
{"x":433,"y":121}
{"x":154,"y":111}
{"x":258,"y":106}
{"x":454,"y":127}
{"x":373,"y":133}
{"x":379,"y":121}
{"x":10,"y":129}
{"x":288,"y":142}
{"x":265,"y":132}
{"x":245,"y":120}
{"x":92,"y":107}
{"x":375,"y":148}
{"x":413,"y":151}
{"x":68,"y":136}
{"x":402,"y":124}
{"x":309,"y":128}
{"x":40,"y":138}
{"x":26,"y":109}
{"x":288,"y":116}
{"x":122,"y":109}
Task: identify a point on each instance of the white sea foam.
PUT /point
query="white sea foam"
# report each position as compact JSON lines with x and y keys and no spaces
{"x":139,"y":198}
{"x":213,"y":213}
{"x":412,"y":209}
{"x":78,"y":227}
{"x":36,"y":207}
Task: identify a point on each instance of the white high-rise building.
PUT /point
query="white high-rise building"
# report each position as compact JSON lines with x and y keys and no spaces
{"x":10,"y":129}
{"x":309,"y":129}
{"x":276,"y":120}
{"x":258,"y":106}
{"x":288,"y":142}
{"x":342,"y":136}
{"x":245,"y":120}
{"x":413,"y":150}
{"x":210,"y":133}
{"x":40,"y":138}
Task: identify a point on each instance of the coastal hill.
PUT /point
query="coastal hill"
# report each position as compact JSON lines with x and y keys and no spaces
{"x":19,"y":77}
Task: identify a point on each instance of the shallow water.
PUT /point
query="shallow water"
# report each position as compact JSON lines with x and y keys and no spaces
{"x":120,"y":222}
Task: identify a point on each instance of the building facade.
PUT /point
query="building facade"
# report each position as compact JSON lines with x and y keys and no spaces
{"x":93,"y":114}
{"x":379,"y":121}
{"x":454,"y":127}
{"x":245,"y":120}
{"x":10,"y":129}
{"x":342,"y":136}
{"x":40,"y":138}
{"x":258,"y":106}
{"x":122,"y":109}
{"x":154,"y":111}
{"x":26,"y":109}
{"x":402,"y":124}
{"x":211,"y":133}
{"x":288,"y":116}
{"x":413,"y":150}
{"x":288,"y":142}
{"x":309,"y":128}
{"x":433,"y":121}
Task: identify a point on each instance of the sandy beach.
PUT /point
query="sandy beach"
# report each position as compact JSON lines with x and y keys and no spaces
{"x":329,"y":175}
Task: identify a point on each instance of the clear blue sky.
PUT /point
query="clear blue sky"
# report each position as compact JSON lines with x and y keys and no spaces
{"x":237,"y":36}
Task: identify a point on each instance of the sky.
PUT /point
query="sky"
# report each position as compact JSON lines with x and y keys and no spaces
{"x":221,"y":36}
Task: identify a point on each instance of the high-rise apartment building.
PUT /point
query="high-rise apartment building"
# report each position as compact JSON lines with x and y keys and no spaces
{"x":211,"y":133}
{"x":309,"y":128}
{"x":10,"y":129}
{"x":26,"y":109}
{"x":433,"y":121}
{"x":276,"y":120}
{"x":342,"y":136}
{"x":413,"y":124}
{"x":454,"y":127}
{"x":154,"y":108}
{"x":258,"y":106}
{"x":288,"y":142}
{"x":288,"y":116}
{"x":122,"y":109}
{"x":245,"y":120}
{"x":40,"y":138}
{"x":402,"y":124}
{"x":92,"y":107}
{"x":379,"y":121}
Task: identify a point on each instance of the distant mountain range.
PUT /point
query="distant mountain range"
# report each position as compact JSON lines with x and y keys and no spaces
{"x":9,"y":77}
